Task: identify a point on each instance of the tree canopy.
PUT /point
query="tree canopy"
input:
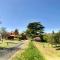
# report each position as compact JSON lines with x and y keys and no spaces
{"x":16,"y":32}
{"x":35,"y":28}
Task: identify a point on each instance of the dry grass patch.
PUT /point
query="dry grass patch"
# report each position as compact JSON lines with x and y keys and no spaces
{"x":47,"y":50}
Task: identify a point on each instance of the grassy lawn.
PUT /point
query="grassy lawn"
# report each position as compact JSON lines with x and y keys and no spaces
{"x":7,"y":43}
{"x":48,"y":51}
{"x":31,"y":53}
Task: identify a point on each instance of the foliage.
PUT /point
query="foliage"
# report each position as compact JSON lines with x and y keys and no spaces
{"x":23,"y":36}
{"x":31,"y":53}
{"x":47,"y":37}
{"x":16,"y":32}
{"x":57,"y":38}
{"x":8,"y":43}
{"x":3,"y":32}
{"x":53,"y":38}
{"x":35,"y":28}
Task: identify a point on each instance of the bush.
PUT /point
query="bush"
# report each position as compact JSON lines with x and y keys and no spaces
{"x":23,"y":36}
{"x":47,"y":38}
{"x":57,"y":38}
{"x":53,"y":38}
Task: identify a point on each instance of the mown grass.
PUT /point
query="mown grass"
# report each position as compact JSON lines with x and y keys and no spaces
{"x":31,"y":53}
{"x":8,"y":43}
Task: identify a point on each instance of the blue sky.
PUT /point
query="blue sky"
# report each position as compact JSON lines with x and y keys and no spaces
{"x":18,"y":13}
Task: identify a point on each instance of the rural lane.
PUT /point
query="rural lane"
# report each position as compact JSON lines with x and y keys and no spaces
{"x":5,"y":54}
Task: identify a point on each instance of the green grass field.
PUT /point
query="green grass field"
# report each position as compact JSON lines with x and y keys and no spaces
{"x":31,"y":53}
{"x":7,"y":43}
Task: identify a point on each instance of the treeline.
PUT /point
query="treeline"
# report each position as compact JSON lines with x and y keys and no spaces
{"x":35,"y":30}
{"x":53,"y":38}
{"x":14,"y":35}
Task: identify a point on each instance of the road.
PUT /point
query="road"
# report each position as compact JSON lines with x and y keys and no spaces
{"x":5,"y":54}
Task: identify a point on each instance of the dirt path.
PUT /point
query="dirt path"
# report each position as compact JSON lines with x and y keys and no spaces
{"x":48,"y":52}
{"x":22,"y":49}
{"x":5,"y":54}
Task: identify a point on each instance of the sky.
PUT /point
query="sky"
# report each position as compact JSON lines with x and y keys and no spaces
{"x":19,"y":13}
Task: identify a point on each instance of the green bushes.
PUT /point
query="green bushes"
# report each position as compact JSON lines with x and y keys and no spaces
{"x":53,"y":38}
{"x":23,"y":36}
{"x":30,"y":54}
{"x":47,"y":38}
{"x":56,"y":38}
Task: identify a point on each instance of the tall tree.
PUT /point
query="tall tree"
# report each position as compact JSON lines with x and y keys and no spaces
{"x":35,"y":28}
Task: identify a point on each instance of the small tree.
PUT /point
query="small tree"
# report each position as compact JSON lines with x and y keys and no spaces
{"x":16,"y":32}
{"x":3,"y":32}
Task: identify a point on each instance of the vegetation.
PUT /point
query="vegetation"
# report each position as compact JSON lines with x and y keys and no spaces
{"x":3,"y":32}
{"x":47,"y":37}
{"x":7,"y":43}
{"x":53,"y":38}
{"x":16,"y":32}
{"x":31,"y":53}
{"x":23,"y":36}
{"x":48,"y":51}
{"x":35,"y":28}
{"x":56,"y":38}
